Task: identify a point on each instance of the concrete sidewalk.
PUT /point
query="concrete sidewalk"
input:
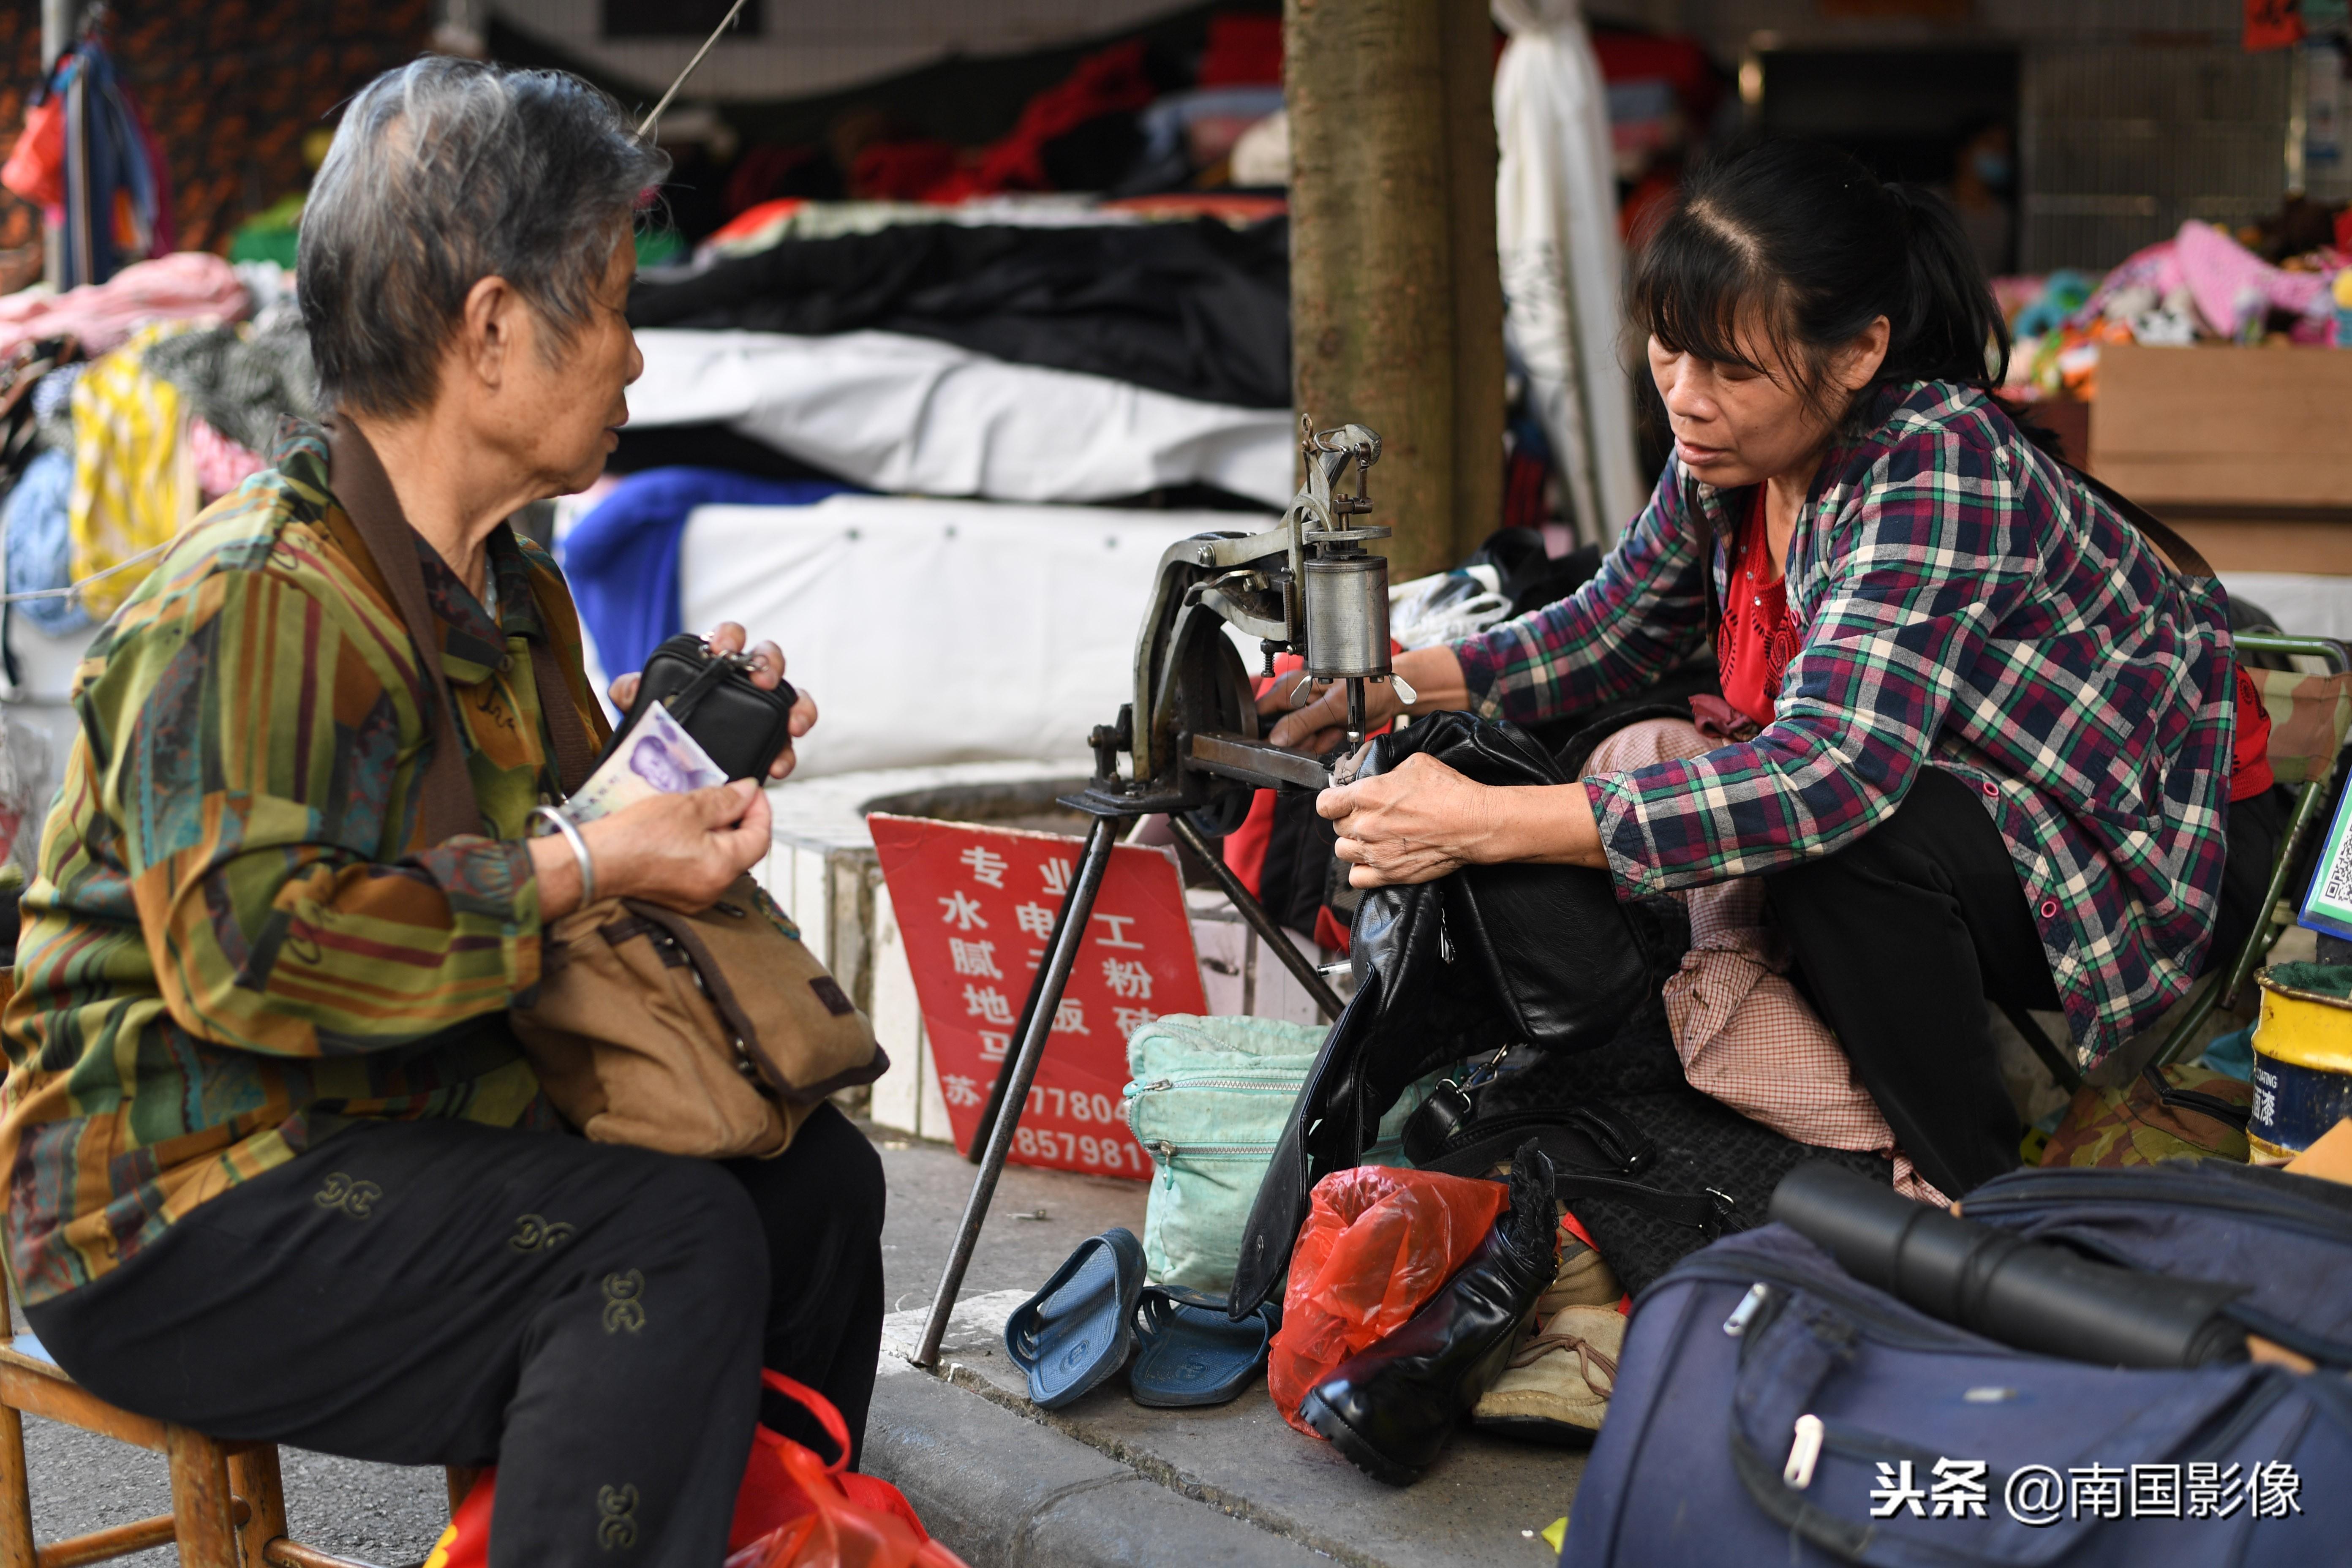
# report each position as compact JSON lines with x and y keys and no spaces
{"x":1107,"y":1481}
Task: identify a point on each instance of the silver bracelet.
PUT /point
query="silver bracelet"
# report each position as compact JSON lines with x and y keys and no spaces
{"x":563,"y":825}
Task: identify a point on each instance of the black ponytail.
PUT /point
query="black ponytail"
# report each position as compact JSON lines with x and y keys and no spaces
{"x":1797,"y":241}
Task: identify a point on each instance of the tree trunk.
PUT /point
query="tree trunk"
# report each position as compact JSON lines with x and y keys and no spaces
{"x":1396,"y":313}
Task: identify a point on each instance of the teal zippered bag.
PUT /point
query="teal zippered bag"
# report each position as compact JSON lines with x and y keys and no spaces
{"x":1208,"y":1102}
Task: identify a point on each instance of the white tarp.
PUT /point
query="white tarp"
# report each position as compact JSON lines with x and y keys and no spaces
{"x":1562,"y":267}
{"x":938,"y":631}
{"x":919,"y":416}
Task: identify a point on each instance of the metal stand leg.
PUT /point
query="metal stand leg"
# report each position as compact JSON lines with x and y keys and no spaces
{"x":989,"y":1112}
{"x":1019,"y":1073}
{"x":1259,"y":921}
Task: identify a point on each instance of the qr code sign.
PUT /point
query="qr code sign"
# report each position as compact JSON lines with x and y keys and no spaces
{"x":2339,"y":889}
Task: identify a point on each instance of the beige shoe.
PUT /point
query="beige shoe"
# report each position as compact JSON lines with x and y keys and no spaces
{"x":1557,"y":1385}
{"x":1584,"y":1280}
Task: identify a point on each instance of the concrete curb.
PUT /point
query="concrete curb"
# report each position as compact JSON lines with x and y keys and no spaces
{"x":1007,"y":1492}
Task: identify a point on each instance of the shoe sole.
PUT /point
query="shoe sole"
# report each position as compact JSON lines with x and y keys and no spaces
{"x":1536,"y":1429}
{"x":1352,"y":1444}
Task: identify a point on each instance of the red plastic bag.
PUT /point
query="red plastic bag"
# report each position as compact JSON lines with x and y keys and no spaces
{"x":35,"y":169}
{"x":797,"y":1511}
{"x":1377,"y":1244}
{"x":794,"y":1510}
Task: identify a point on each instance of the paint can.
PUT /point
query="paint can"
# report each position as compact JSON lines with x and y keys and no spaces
{"x":2302,"y":1064}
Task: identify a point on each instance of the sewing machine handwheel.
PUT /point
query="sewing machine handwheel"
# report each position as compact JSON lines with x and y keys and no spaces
{"x":1217,"y":696}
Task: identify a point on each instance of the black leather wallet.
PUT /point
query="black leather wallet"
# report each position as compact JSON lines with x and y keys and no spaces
{"x":742,"y":727}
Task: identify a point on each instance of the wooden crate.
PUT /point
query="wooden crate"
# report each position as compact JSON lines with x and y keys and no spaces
{"x":2248,"y":451}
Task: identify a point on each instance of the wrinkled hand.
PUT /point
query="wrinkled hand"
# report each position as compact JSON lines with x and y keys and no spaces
{"x":1414,"y":825}
{"x":730,"y":638}
{"x":681,"y":850}
{"x":1322,"y":722}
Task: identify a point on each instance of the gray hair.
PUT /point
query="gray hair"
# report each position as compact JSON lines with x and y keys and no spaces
{"x":443,"y":173}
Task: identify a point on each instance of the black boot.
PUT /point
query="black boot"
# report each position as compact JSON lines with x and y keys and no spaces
{"x":1389,"y":1408}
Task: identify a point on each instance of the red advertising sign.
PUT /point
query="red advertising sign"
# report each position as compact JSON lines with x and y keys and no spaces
{"x":976,"y":905}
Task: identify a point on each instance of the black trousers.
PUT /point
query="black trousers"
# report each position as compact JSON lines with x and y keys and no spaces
{"x":1902,"y":936}
{"x":591,"y":1319}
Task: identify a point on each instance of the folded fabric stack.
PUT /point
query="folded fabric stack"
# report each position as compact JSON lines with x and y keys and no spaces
{"x":1019,"y":368}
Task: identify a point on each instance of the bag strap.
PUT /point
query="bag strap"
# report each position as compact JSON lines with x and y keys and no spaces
{"x":2185,"y":557}
{"x":446,"y":801}
{"x":817,"y":1405}
{"x":575,"y":750}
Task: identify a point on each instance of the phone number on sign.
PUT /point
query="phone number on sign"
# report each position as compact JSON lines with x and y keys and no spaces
{"x":1078,"y":1129}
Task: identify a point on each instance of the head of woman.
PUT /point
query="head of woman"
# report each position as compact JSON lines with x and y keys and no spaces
{"x":466,"y":258}
{"x":1786,"y":285}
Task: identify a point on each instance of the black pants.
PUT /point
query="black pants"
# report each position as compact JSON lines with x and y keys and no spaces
{"x":1902,"y":936}
{"x":591,"y":1319}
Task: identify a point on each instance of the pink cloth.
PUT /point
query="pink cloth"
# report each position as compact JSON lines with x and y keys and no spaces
{"x":185,"y":285}
{"x":1745,"y":1035}
{"x":221,"y":464}
{"x":2227,"y":281}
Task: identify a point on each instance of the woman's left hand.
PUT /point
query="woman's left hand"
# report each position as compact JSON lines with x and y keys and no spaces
{"x":730,"y":638}
{"x":1426,"y":820}
{"x":1414,"y":825}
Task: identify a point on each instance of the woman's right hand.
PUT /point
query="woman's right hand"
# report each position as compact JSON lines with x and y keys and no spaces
{"x":1319,"y":722}
{"x":678,"y":850}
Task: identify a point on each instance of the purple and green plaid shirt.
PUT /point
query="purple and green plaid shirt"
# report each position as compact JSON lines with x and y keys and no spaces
{"x":1965,"y":602}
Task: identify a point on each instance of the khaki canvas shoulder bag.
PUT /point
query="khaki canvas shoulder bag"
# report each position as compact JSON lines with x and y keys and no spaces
{"x":711,"y":1034}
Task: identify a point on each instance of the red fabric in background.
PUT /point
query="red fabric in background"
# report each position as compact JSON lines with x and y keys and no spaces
{"x":1110,"y":82}
{"x":1244,"y":847}
{"x":1244,"y":51}
{"x":902,"y":170}
{"x":2272,"y":24}
{"x":1680,"y":62}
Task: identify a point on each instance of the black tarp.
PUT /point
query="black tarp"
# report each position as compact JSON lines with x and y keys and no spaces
{"x":1199,"y":310}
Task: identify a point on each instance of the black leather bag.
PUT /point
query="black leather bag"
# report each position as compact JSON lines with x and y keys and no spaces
{"x":1653,"y":1168}
{"x":1543,"y":963}
{"x":742,"y":728}
{"x":1543,"y":956}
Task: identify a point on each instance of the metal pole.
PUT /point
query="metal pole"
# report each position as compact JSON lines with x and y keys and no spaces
{"x":989,"y":1112}
{"x":1259,"y":921}
{"x":1019,"y":1073}
{"x":56,"y":32}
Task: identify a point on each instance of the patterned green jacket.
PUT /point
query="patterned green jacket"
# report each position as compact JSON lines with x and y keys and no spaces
{"x":236,"y":943}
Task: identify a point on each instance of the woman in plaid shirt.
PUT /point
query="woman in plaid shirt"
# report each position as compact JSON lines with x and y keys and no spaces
{"x":1986,"y":728}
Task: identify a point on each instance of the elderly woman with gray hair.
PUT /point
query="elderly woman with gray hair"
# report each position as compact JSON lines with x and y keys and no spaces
{"x":275,"y":1168}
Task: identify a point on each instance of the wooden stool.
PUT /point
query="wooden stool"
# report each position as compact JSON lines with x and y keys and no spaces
{"x":228,"y":1508}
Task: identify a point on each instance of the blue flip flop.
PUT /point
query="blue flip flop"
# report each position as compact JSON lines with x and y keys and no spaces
{"x":1079,"y":1329}
{"x":1192,"y":1353}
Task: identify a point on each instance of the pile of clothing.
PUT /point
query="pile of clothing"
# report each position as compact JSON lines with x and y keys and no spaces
{"x":125,"y":407}
{"x":1138,"y":116}
{"x":2203,"y":285}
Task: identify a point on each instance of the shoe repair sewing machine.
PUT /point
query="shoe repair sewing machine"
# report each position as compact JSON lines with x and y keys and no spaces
{"x":1307,"y":585}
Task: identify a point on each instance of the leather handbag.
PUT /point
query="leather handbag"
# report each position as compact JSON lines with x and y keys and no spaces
{"x":713,"y":1033}
{"x":1540,"y":955}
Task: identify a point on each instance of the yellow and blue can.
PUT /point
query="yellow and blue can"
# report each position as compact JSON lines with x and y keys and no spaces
{"x":2303,"y":1063}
